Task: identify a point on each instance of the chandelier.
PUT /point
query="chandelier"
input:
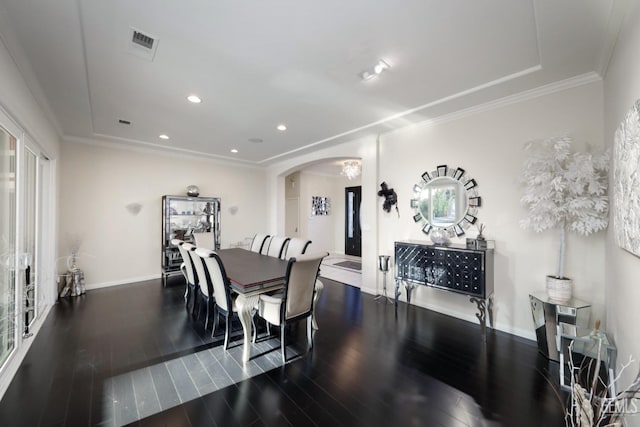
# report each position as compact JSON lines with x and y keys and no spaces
{"x":351,"y":169}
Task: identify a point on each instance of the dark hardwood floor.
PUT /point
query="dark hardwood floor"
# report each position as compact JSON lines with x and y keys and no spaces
{"x":368,"y":367}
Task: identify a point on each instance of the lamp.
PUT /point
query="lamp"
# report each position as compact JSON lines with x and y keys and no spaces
{"x":351,"y":169}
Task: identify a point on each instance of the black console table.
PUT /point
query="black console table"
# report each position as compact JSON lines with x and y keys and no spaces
{"x":454,"y":268}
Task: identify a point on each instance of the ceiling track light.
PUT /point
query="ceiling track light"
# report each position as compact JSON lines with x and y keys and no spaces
{"x":375,"y":70}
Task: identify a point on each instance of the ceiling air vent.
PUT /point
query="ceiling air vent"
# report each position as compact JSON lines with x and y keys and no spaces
{"x":142,"y":44}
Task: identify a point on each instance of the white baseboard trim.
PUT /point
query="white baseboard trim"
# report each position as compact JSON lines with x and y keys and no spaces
{"x":93,"y":286}
{"x":500,"y":326}
{"x":12,"y":366}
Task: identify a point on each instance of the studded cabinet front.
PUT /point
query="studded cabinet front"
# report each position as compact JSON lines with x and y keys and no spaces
{"x":454,"y":268}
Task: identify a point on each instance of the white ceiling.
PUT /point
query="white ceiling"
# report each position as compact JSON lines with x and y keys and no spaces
{"x":257,"y":64}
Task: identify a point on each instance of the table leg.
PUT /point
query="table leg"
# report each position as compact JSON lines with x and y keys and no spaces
{"x":319,"y":287}
{"x":245,"y":307}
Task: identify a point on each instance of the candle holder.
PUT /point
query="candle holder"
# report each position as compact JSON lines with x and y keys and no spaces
{"x":383,"y":265}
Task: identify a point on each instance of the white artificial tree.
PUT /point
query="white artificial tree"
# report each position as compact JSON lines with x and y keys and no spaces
{"x":564,"y":190}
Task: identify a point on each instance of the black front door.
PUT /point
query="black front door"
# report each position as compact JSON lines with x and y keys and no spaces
{"x":352,"y":234}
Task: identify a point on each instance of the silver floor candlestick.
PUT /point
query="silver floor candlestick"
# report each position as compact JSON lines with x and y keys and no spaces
{"x":383,"y":265}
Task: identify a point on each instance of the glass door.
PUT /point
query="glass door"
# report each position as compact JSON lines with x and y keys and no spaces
{"x":352,"y":232}
{"x":8,"y":151}
{"x":28,"y":255}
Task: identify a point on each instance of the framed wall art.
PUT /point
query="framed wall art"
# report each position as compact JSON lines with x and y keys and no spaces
{"x":626,"y":181}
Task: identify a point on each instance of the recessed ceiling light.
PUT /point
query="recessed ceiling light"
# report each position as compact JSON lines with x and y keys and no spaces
{"x":233,"y":150}
{"x":163,"y":136}
{"x":281,"y":127}
{"x":194,"y":98}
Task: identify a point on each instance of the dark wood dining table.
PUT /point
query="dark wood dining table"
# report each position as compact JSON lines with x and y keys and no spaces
{"x":251,"y":275}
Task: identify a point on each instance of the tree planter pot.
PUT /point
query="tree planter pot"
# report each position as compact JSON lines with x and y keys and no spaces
{"x":559,"y":289}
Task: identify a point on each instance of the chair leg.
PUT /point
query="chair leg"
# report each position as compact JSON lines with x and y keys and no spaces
{"x":227,"y":330}
{"x":283,"y":346}
{"x":206,"y":319}
{"x":216,"y":320}
{"x":200,"y":297}
{"x":195,"y":301}
{"x":309,"y":331}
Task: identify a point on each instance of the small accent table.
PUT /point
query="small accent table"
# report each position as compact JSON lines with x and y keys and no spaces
{"x":547,"y":316}
{"x":587,"y":346}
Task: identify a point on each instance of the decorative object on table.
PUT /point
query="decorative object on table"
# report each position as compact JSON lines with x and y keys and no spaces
{"x":567,"y":191}
{"x":193,"y":191}
{"x":445,"y":199}
{"x":626,"y":181}
{"x":479,"y":242}
{"x":592,"y":380}
{"x":351,"y":169}
{"x":383,"y":265}
{"x":320,"y":205}
{"x":439,"y":236}
{"x":390,"y":198}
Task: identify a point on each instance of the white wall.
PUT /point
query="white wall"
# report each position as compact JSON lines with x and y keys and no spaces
{"x":117,"y":247}
{"x":622,"y":89}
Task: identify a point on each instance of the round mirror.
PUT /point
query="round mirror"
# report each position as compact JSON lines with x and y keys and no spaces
{"x":445,"y":199}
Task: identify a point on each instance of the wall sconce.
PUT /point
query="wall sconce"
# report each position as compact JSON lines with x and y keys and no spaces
{"x":134,"y":208}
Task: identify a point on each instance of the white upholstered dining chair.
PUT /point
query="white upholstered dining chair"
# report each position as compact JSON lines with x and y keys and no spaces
{"x":225,"y":303}
{"x":296,"y":301}
{"x":277,"y":246}
{"x":296,"y":247}
{"x":258,"y":242}
{"x":265,"y":245}
{"x":188,"y":271}
{"x":183,"y":266}
{"x":204,"y":286}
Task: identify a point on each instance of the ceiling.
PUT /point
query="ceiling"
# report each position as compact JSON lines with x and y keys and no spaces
{"x":258,"y":64}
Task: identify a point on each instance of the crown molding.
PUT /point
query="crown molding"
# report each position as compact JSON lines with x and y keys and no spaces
{"x":526,"y":95}
{"x":125,"y":144}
